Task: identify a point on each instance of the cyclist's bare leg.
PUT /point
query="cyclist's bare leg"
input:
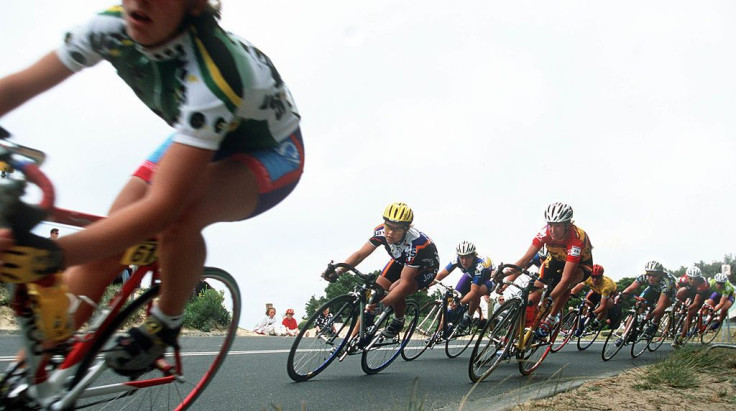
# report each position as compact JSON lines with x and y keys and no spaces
{"x":230,"y":193}
{"x":662,"y":304}
{"x":561,"y":292}
{"x":472,"y":298}
{"x":91,"y":279}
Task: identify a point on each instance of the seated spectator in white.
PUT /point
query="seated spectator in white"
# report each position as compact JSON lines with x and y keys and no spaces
{"x":269,"y":325}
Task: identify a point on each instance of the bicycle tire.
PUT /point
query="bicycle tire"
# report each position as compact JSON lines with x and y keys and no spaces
{"x":591,"y":333}
{"x":661,"y":334}
{"x":567,"y":326}
{"x":640,"y":344}
{"x":494,"y":340}
{"x":709,"y":334}
{"x":427,"y":329}
{"x":610,"y":349}
{"x":383,"y":352}
{"x":312,"y":350}
{"x":180,"y":393}
{"x":456,"y":345}
{"x":532,"y":356}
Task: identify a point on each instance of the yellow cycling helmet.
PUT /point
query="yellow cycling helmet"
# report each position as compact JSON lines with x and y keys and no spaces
{"x":399,"y":213}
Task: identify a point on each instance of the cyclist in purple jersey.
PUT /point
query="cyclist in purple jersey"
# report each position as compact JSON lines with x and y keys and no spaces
{"x":475,"y":281}
{"x":413,"y":265}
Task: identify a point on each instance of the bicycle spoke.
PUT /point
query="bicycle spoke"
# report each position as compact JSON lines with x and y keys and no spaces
{"x":322,"y":338}
{"x":198,"y":366}
{"x":426,"y":333}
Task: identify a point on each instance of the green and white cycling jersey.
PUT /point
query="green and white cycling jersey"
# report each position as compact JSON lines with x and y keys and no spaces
{"x":218,"y":91}
{"x":727,"y":290}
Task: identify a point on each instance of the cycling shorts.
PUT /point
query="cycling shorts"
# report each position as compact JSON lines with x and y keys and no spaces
{"x":277,"y":170}
{"x":651,"y":295}
{"x":716,"y":296}
{"x":392,"y":272}
{"x":593,"y":297}
{"x":463,"y":285}
{"x":550,"y":272}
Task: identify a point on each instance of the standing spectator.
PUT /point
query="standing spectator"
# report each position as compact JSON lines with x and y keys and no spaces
{"x":269,"y":324}
{"x":54,"y":234}
{"x":290,"y":323}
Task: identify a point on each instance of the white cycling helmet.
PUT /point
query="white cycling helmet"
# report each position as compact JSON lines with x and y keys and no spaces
{"x":693,"y":272}
{"x":653,"y":267}
{"x":720,"y":278}
{"x":558,"y":213}
{"x":465,"y":248}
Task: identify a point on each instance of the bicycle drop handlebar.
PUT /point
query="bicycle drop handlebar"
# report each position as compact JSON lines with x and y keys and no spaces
{"x":18,"y":156}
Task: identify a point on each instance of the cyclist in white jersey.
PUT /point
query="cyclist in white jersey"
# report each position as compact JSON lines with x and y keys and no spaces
{"x":236,"y":151}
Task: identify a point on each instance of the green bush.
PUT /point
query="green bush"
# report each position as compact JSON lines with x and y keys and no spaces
{"x":4,"y":294}
{"x":206,"y":312}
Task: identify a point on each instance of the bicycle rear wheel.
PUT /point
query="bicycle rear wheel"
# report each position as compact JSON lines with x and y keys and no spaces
{"x":531,"y":357}
{"x":661,"y":334}
{"x":426,"y":331}
{"x":383,"y":351}
{"x":617,"y":338}
{"x":459,"y":342}
{"x":494,"y":341}
{"x":640,"y":344}
{"x":568,"y":325}
{"x":589,"y":335}
{"x":314,"y":349}
{"x":178,"y":378}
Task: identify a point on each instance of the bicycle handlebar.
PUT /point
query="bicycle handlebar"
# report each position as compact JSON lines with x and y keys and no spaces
{"x":37,"y":156}
{"x":502,"y":266}
{"x":448,"y":288}
{"x":18,"y":156}
{"x":369,"y":278}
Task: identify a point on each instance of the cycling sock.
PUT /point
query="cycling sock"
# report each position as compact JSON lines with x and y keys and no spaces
{"x":398,"y":319}
{"x":170,"y":321}
{"x":531,"y":312}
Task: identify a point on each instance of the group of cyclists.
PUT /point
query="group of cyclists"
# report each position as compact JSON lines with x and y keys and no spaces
{"x":563,"y":253}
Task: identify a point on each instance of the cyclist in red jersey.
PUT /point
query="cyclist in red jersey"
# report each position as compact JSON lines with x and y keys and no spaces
{"x":569,"y":260}
{"x":695,"y":287}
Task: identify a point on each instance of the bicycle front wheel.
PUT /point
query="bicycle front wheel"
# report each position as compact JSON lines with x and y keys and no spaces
{"x":178,"y":378}
{"x":710,"y":330}
{"x":426,"y":333}
{"x":322,"y":338}
{"x":382,"y":351}
{"x":567,"y":327}
{"x":617,"y":338}
{"x":494,"y":341}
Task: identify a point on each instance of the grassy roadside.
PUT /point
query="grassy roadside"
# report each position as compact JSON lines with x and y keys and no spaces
{"x":692,"y":378}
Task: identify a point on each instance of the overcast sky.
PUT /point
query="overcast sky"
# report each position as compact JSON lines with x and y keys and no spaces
{"x":476,"y":113}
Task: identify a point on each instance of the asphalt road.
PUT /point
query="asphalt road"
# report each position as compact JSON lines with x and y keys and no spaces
{"x":254,"y":378}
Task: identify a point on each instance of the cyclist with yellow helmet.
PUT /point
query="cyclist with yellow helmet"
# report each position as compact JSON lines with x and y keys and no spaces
{"x":413,"y":265}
